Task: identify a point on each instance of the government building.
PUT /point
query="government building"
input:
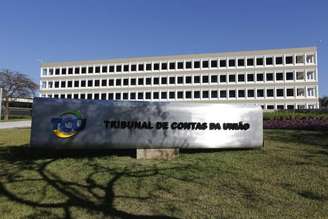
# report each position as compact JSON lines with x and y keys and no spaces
{"x":274,"y":79}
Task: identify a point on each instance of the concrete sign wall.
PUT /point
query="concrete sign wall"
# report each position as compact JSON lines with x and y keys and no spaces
{"x":63,"y":123}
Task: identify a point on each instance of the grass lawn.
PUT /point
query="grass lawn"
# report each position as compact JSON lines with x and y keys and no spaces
{"x":288,"y":178}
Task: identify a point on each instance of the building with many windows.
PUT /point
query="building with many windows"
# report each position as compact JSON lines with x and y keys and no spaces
{"x":274,"y":79}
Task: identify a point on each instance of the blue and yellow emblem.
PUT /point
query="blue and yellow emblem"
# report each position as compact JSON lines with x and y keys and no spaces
{"x":68,"y":124}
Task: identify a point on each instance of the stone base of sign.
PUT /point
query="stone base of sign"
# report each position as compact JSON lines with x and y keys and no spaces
{"x":157,"y":154}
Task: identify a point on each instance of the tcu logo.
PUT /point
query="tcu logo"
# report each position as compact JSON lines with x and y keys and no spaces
{"x":68,"y":124}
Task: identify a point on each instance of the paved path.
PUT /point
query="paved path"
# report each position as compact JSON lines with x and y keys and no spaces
{"x":15,"y":124}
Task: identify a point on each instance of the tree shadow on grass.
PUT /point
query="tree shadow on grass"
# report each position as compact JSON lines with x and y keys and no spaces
{"x":87,"y":194}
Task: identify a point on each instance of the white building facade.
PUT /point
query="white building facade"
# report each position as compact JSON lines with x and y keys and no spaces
{"x":274,"y":79}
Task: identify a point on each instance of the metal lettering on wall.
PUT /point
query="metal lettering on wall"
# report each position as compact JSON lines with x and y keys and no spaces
{"x":60,"y":123}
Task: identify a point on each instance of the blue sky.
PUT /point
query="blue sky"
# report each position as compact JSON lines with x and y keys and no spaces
{"x":34,"y":31}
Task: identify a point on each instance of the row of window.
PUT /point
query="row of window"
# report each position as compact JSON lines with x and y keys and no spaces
{"x":172,"y":80}
{"x":181,"y":65}
{"x":196,"y":94}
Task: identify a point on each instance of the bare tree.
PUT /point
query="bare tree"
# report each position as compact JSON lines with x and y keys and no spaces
{"x":15,"y":85}
{"x":323,"y":102}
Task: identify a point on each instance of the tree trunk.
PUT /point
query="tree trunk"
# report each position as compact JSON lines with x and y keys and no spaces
{"x":6,"y":111}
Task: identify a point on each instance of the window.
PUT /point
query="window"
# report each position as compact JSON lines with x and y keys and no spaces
{"x":196,"y":64}
{"x":148,"y":81}
{"x":280,"y":92}
{"x":90,"y":70}
{"x":44,"y":71}
{"x":83,"y":83}
{"x":196,"y":79}
{"x":156,"y":66}
{"x":289,"y":59}
{"x":280,"y":107}
{"x":110,"y":96}
{"x":241,"y":93}
{"x":299,"y":59}
{"x":84,"y":70}
{"x":250,"y":62}
{"x":125,"y":69}
{"x":205,"y":64}
{"x":269,"y":76}
{"x":214,"y":63}
{"x":118,"y":82}
{"x":290,"y":92}
{"x":164,"y":66}
{"x":232,"y":63}
{"x":111,"y":68}
{"x":180,"y":80}
{"x":180,"y":94}
{"x":90,"y":83}
{"x":250,"y":93}
{"x":188,"y":94}
{"x":97,"y":69}
{"x":96,"y":96}
{"x":300,"y":106}
{"x":232,"y":93}
{"x":172,"y":80}
{"x":269,"y":61}
{"x":164,"y":95}
{"x":260,"y":92}
{"x":156,"y":80}
{"x":269,"y":93}
{"x":126,"y":82}
{"x":223,"y":94}
{"x":241,"y":77}
{"x":205,"y":94}
{"x":133,"y":81}
{"x":214,"y":78}
{"x":140,"y":81}
{"x":148,"y":67}
{"x":97,"y":83}
{"x":188,"y":79}
{"x":148,"y":95}
{"x":89,"y":96}
{"x":164,"y":80}
{"x":232,"y":78}
{"x":118,"y":68}
{"x":132,"y":96}
{"x":50,"y":84}
{"x":63,"y":71}
{"x":104,"y":69}
{"x":140,"y":68}
{"x":310,"y":75}
{"x":289,"y":76}
{"x":104,"y":82}
{"x":62,"y":96}
{"x":51,"y":71}
{"x":259,"y":61}
{"x":172,"y":95}
{"x":111,"y":82}
{"x":76,"y":83}
{"x":57,"y":70}
{"x":156,"y":95}
{"x":69,"y":83}
{"x":279,"y":76}
{"x":180,"y":65}
{"x":223,"y":78}
{"x":279,"y":60}
{"x":103,"y":96}
{"x":140,"y":95}
{"x":188,"y":65}
{"x":270,"y":107}
{"x":290,"y":107}
{"x":172,"y":65}
{"x":310,"y":92}
{"x":196,"y":94}
{"x":44,"y":84}
{"x":241,"y":62}
{"x":134,"y":67}
{"x":223,"y":63}
{"x":70,"y":71}
{"x":214,"y":94}
{"x":300,"y":92}
{"x":250,"y":77}
{"x":82,"y":96}
{"x":117,"y":96}
{"x":205,"y":79}
{"x":76,"y":96}
{"x":309,"y":58}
